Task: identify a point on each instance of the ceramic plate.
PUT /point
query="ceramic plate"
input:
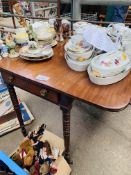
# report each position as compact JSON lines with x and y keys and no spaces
{"x":37,"y":59}
{"x":41,"y":52}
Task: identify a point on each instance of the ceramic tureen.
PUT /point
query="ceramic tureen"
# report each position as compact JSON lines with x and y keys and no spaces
{"x":109,"y":68}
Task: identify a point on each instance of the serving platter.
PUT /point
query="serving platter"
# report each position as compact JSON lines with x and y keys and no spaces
{"x":106,"y":80}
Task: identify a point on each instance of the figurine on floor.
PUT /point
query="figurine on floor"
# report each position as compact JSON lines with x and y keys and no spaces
{"x":36,"y":134}
{"x":44,"y":164}
{"x":25,"y":154}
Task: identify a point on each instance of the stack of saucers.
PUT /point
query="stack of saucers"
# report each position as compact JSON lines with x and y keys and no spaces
{"x":78,"y":53}
{"x":109,"y":68}
{"x":37,"y":54}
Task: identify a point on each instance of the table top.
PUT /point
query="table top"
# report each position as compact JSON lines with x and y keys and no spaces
{"x":75,"y":84}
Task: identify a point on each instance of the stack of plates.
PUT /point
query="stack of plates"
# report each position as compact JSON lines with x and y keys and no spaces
{"x":38,"y":54}
{"x":109,"y":68}
{"x":78,"y":53}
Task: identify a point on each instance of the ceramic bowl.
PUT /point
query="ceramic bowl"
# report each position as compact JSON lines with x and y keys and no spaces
{"x":78,"y":44}
{"x":79,"y":56}
{"x":106,"y":80}
{"x":44,"y":36}
{"x":109,"y":64}
{"x":76,"y":65}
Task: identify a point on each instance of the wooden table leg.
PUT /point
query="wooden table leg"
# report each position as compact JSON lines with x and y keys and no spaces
{"x":65,"y":106}
{"x":16,"y":107}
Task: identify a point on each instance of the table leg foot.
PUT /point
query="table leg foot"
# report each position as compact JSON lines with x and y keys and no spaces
{"x":65,"y":106}
{"x":16,"y":107}
{"x":67,"y":158}
{"x":24,"y":132}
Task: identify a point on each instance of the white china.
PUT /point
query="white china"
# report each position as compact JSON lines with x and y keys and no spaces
{"x":37,"y":59}
{"x":21,"y":36}
{"x":114,"y":29}
{"x":77,"y":65}
{"x":44,"y":36}
{"x":107,"y":80}
{"x":79,"y":56}
{"x":38,"y":54}
{"x":110,"y":64}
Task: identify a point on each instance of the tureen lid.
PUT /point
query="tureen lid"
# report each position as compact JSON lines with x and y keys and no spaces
{"x":110,"y":60}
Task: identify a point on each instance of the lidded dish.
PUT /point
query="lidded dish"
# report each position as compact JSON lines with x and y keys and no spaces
{"x":78,"y":49}
{"x":109,"y":64}
{"x":78,"y":53}
{"x":109,"y":68}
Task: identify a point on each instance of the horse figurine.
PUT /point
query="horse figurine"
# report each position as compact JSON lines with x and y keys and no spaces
{"x":59,"y":30}
{"x":62,"y":28}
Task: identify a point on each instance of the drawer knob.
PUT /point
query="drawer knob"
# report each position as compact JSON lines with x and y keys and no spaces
{"x":10,"y":79}
{"x":43,"y":92}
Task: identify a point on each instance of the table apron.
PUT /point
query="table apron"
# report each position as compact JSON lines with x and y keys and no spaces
{"x":29,"y":86}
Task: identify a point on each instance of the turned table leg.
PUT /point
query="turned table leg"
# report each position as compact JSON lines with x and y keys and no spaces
{"x":16,"y":107}
{"x":65,"y":106}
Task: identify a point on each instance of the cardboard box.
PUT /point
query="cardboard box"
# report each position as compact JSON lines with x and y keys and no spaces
{"x":62,"y":166}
